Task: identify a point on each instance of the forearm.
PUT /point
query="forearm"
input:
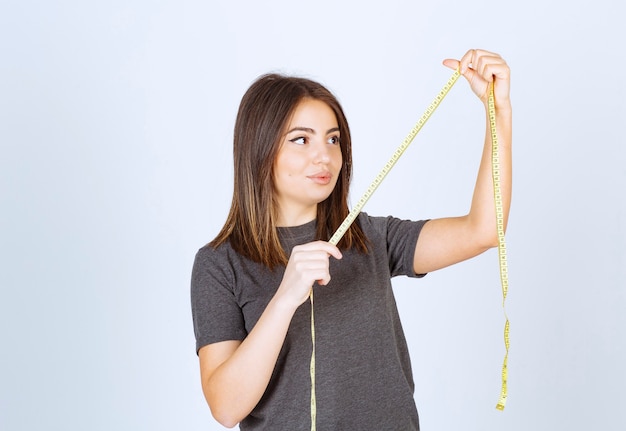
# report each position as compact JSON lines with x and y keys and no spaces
{"x":482,"y":214}
{"x":235,"y":387}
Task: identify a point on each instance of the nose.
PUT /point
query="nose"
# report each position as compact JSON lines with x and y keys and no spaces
{"x":322,"y":153}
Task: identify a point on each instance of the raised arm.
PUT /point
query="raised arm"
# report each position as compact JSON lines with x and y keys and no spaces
{"x":235,"y":374}
{"x":446,"y":241}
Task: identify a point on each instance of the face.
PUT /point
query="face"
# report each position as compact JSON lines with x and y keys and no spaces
{"x":308,"y":162}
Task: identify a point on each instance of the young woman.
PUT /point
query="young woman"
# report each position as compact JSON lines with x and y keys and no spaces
{"x":292,"y":155}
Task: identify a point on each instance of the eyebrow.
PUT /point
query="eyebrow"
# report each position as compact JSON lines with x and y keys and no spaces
{"x":309,"y":130}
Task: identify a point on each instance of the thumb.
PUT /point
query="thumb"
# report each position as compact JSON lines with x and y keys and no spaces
{"x":451,"y":63}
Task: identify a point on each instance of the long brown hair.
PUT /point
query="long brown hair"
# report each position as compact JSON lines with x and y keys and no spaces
{"x":264,"y":112}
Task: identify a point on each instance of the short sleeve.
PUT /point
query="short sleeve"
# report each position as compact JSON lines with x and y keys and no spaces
{"x":216,"y":313}
{"x":400,"y":237}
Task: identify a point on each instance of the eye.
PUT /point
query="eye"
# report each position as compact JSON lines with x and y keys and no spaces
{"x":300,"y":140}
{"x":334,"y":140}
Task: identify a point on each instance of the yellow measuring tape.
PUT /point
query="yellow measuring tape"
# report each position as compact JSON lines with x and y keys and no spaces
{"x":374,"y":185}
{"x":504,"y":277}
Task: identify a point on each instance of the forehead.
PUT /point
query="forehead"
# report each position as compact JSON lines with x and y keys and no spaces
{"x":312,"y":111}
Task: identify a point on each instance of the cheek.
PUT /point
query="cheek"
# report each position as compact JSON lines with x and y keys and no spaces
{"x":281,"y":167}
{"x":338,"y":159}
{"x":284,"y":168}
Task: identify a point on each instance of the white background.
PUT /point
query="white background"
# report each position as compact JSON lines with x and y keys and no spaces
{"x":116,"y":125}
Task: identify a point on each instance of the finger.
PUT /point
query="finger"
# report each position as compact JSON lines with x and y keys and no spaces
{"x":499,"y":69}
{"x":483,"y":61}
{"x":311,"y":271}
{"x":451,"y":63}
{"x":473,"y":57}
{"x":466,"y":61}
{"x":323,"y":281}
{"x":320,"y":246}
{"x":319,"y":273}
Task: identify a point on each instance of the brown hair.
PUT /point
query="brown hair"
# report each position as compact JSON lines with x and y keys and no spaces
{"x":264,"y":112}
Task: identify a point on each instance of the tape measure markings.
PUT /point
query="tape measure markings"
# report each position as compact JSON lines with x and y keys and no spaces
{"x":504,"y":278}
{"x":312,"y":368}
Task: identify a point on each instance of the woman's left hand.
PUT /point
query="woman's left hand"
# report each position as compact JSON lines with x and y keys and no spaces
{"x":480,"y":68}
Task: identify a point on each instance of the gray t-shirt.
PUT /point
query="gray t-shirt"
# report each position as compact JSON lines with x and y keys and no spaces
{"x":363,"y":371}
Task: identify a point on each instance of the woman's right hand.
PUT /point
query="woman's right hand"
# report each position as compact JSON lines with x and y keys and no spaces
{"x":308,"y":263}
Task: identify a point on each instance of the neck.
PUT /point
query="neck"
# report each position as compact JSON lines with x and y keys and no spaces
{"x":296,"y":218}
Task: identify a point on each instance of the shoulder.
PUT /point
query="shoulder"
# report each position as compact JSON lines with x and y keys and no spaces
{"x":209,"y":252}
{"x":214,"y":264}
{"x":223,"y":266}
{"x":387,"y":226}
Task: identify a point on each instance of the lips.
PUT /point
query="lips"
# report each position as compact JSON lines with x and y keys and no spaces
{"x":321,"y":177}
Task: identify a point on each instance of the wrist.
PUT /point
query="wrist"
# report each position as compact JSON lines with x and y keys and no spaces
{"x":503,"y":108}
{"x":283,"y":304}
